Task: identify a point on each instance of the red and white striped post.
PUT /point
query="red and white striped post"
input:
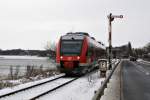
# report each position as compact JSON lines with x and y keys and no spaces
{"x":110,"y":19}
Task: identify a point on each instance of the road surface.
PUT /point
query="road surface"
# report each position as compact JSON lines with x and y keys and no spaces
{"x":135,"y":81}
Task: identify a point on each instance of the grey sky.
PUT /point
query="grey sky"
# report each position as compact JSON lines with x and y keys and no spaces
{"x":29,"y":24}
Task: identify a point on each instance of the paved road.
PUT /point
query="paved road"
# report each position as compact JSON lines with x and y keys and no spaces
{"x":135,"y":81}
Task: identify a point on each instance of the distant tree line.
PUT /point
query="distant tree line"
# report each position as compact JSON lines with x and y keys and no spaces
{"x":48,"y":52}
{"x":125,"y":51}
{"x":143,"y":52}
{"x":41,"y":53}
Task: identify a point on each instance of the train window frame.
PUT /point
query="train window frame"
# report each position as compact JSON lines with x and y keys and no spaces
{"x":72,"y":54}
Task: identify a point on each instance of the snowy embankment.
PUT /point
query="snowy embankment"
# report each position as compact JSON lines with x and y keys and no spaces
{"x":143,"y":61}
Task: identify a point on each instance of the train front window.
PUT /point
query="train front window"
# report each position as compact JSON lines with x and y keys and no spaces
{"x":71,"y":47}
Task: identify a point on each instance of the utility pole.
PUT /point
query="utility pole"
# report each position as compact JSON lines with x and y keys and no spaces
{"x":110,"y":19}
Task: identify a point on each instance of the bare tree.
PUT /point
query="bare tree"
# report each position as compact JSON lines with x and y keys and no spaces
{"x":50,"y":46}
{"x":147,"y":47}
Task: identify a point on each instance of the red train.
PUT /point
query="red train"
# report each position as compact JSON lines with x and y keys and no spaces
{"x":77,"y":53}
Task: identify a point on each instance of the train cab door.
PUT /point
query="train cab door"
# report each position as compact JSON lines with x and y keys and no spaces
{"x":89,"y":56}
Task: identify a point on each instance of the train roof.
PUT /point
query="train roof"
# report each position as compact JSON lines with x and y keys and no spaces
{"x":78,"y":33}
{"x":81,"y":36}
{"x":75,"y":36}
{"x":97,"y":43}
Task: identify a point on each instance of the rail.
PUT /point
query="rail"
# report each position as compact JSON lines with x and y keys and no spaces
{"x":32,"y":86}
{"x":44,"y":93}
{"x":100,"y":91}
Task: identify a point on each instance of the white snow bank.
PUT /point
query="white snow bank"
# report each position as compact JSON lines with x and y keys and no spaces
{"x":141,"y":60}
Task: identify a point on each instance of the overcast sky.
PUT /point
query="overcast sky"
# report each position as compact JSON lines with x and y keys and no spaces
{"x":29,"y":24}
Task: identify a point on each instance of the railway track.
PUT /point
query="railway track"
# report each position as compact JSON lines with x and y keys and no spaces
{"x":36,"y":91}
{"x":73,"y":79}
{"x":46,"y":92}
{"x":18,"y":91}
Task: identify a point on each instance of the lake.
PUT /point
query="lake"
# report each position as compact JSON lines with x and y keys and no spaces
{"x":22,"y":62}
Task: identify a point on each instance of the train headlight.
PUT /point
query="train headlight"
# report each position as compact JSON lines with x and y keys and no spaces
{"x":61,"y":57}
{"x":78,"y":57}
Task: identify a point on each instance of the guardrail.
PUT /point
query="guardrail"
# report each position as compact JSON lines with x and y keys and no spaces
{"x":100,"y":91}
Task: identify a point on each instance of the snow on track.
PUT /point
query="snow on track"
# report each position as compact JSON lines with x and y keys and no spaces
{"x":9,"y":90}
{"x":28,"y":94}
{"x":81,"y":89}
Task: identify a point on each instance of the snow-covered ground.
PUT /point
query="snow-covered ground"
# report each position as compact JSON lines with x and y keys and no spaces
{"x":112,"y":92}
{"x":18,"y":87}
{"x":143,"y":61}
{"x":81,"y":89}
{"x":28,"y":94}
